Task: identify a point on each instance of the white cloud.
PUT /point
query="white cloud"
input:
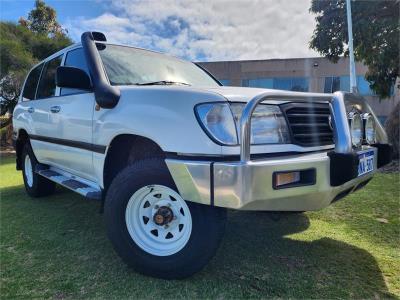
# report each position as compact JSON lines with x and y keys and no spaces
{"x":208,"y":29}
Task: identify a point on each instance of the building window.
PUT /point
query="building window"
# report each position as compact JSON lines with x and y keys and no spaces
{"x":282,"y":84}
{"x":332,"y":84}
{"x":345,"y":83}
{"x":289,"y":84}
{"x":336,"y":83}
{"x":266,"y":83}
{"x":328,"y":85}
{"x":225,"y":82}
{"x":342,"y":83}
{"x":363,"y":87}
{"x":365,"y":90}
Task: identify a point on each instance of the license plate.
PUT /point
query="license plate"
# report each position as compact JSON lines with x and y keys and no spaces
{"x":366,"y":164}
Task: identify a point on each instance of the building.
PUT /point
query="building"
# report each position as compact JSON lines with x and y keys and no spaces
{"x":300,"y":74}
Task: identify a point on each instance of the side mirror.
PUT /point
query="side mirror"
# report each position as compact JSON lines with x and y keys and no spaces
{"x":71,"y":77}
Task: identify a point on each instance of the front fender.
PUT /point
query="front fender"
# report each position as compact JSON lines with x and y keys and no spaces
{"x":164,"y":115}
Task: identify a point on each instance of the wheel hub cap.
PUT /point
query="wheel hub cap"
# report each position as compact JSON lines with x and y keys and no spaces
{"x":28,"y":171}
{"x":163,"y":216}
{"x":158,"y":220}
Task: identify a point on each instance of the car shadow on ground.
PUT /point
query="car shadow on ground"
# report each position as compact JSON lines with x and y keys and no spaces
{"x":260,"y":253}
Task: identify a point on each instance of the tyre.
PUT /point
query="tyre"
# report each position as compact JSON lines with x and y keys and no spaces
{"x":153,"y":229}
{"x":35,"y":185}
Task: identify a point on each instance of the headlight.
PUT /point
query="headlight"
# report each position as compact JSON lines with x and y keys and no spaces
{"x":221,"y":122}
{"x":217,"y":121}
{"x":268,"y":126}
{"x":356,"y":128}
{"x":369,"y":128}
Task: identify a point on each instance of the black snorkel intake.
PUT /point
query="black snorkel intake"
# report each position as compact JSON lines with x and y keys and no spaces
{"x":107,"y":96}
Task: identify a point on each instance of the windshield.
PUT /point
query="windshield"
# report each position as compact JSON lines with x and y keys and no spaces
{"x":127,"y":66}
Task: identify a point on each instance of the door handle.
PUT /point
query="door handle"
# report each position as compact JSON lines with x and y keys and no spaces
{"x":31,"y":110}
{"x":55,"y":109}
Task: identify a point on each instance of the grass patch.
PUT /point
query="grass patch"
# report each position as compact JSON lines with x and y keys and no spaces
{"x":56,"y":247}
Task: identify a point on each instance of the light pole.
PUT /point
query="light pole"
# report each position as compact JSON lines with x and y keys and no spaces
{"x":353,"y":79}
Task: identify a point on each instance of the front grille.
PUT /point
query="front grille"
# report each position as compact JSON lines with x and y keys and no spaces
{"x":309,"y":123}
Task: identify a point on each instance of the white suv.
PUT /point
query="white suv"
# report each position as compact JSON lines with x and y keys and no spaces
{"x":166,"y":148}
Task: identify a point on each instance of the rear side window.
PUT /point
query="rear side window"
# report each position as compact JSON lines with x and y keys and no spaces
{"x":31,"y":84}
{"x":47,"y":85}
{"x":75,"y":58}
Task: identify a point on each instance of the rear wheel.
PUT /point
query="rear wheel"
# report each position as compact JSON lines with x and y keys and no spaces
{"x":154,"y":229}
{"x":35,"y":185}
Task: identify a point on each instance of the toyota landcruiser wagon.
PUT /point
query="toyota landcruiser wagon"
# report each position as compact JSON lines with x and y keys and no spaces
{"x":167,"y":149}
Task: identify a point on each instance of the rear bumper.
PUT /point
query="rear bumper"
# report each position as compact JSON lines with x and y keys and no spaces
{"x":249,"y":186}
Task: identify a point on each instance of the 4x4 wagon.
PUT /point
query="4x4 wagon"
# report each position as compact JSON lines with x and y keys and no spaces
{"x":167,"y":149}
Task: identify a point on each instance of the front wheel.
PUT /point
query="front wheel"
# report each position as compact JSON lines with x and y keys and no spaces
{"x":154,"y":229}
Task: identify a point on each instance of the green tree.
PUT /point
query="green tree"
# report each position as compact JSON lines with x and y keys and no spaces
{"x":42,"y":19}
{"x":376,"y":34}
{"x":21,"y":46}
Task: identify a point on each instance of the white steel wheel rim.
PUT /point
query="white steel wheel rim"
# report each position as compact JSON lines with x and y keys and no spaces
{"x":140,"y":215}
{"x":28,"y":171}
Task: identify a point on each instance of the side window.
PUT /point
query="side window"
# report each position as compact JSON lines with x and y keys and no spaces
{"x":47,"y":85}
{"x":75,"y":58}
{"x":31,"y":84}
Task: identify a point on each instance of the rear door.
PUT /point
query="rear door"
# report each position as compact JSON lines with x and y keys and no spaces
{"x":38,"y":108}
{"x":66,"y":142}
{"x":29,"y":116}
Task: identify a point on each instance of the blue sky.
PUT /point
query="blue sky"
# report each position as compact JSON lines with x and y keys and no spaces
{"x":192,"y":29}
{"x":13,"y":9}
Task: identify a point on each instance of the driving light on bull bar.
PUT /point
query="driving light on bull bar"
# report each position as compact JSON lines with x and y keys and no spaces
{"x":356,"y":128}
{"x":369,"y":128}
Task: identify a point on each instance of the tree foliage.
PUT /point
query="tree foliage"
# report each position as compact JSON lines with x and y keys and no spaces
{"x":42,"y":19}
{"x":376,"y":34}
{"x":23,"y":45}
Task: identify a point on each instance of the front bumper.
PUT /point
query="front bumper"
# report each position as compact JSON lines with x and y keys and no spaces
{"x":249,"y":186}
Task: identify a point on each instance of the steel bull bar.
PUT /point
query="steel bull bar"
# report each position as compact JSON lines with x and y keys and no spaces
{"x":248,"y":184}
{"x":344,"y":162}
{"x":338,"y":111}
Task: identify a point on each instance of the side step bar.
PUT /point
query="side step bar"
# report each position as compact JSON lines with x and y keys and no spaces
{"x":72,"y":183}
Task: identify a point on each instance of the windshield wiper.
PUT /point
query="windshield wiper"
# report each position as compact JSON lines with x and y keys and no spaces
{"x":162,"y":82}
